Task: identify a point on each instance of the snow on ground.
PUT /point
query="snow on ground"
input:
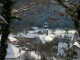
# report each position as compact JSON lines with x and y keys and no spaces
{"x":62,"y":33}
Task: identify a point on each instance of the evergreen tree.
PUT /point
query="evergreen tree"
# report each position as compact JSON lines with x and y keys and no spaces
{"x":5,"y":28}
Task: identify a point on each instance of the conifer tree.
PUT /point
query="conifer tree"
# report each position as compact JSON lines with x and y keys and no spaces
{"x":5,"y":28}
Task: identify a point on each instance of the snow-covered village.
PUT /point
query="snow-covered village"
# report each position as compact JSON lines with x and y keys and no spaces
{"x":39,"y":30}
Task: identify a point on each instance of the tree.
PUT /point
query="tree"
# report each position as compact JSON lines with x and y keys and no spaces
{"x":6,"y":28}
{"x":48,"y":50}
{"x":68,"y":52}
{"x":73,"y":10}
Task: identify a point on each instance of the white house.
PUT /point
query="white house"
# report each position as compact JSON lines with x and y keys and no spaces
{"x":14,"y":53}
{"x":13,"y":40}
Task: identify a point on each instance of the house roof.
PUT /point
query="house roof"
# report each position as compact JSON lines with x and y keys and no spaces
{"x":42,"y":39}
{"x":77,"y":44}
{"x":12,"y":39}
{"x":32,"y":35}
{"x":13,"y":52}
{"x":45,"y":38}
{"x":34,"y":28}
{"x":21,"y":35}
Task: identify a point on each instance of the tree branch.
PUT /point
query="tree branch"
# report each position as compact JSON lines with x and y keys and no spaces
{"x":62,"y":3}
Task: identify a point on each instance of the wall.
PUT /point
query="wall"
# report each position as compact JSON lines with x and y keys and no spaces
{"x":10,"y":59}
{"x":18,"y":58}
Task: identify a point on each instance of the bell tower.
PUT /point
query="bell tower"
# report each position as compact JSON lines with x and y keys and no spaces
{"x":45,"y":30}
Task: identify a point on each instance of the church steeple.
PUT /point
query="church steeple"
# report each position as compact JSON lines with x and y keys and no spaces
{"x":45,"y":30}
{"x":45,"y":26}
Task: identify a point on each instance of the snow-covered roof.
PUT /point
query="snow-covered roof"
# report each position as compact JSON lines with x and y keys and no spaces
{"x":32,"y":32}
{"x":45,"y":38}
{"x":77,"y":44}
{"x":12,"y":39}
{"x":48,"y":38}
{"x":13,"y":52}
{"x":32,"y":35}
{"x":21,"y":35}
{"x":33,"y":28}
{"x":42,"y":39}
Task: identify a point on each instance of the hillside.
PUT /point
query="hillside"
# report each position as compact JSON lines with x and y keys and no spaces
{"x":41,"y":11}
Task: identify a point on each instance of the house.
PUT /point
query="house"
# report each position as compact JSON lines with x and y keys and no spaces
{"x":14,"y":53}
{"x":13,"y":40}
{"x":21,"y":38}
{"x":26,"y":38}
{"x":31,"y":37}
